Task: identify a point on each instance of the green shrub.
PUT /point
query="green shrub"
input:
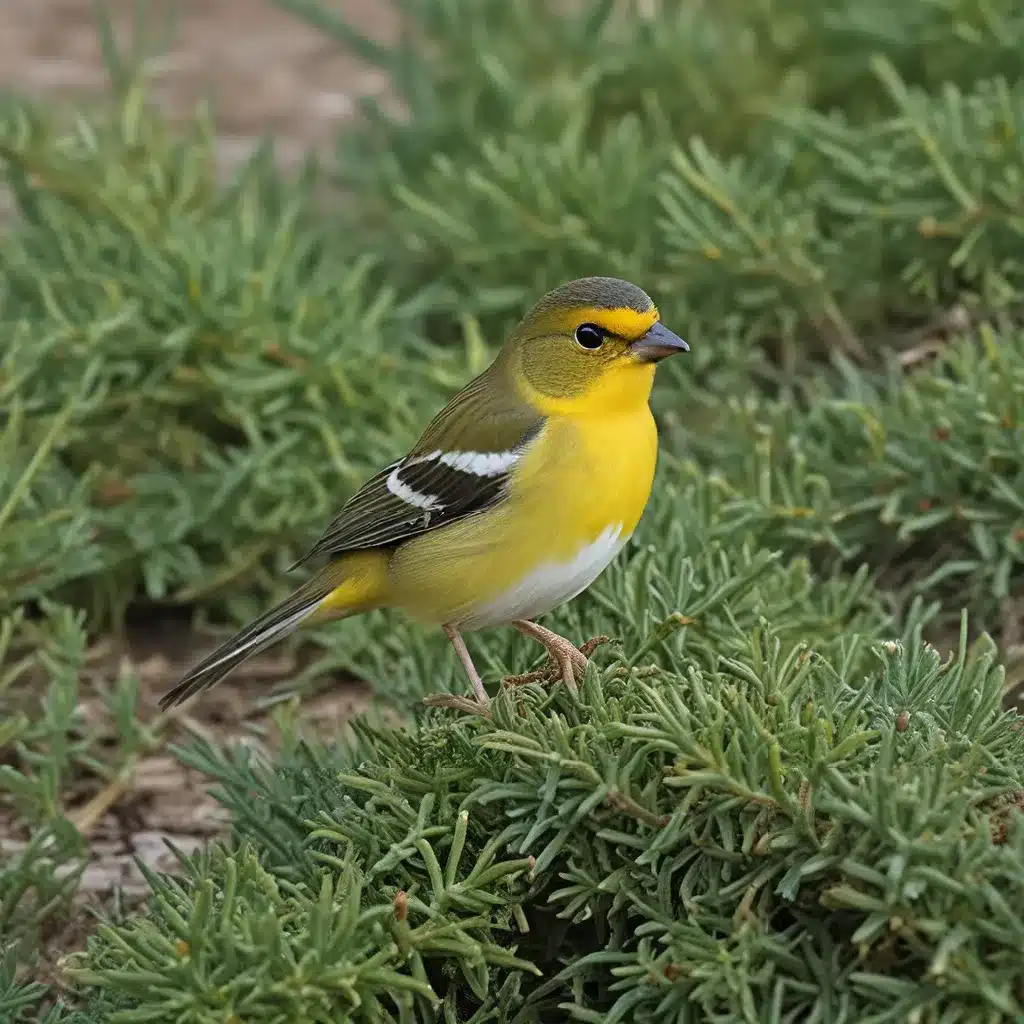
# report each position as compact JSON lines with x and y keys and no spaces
{"x":919,"y":474}
{"x":764,"y":837}
{"x":774,"y":802}
{"x":815,"y":172}
{"x":48,"y":743}
{"x":195,"y":376}
{"x":21,"y":1003}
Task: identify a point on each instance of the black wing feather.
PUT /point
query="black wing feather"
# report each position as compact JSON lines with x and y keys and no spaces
{"x":377,"y":517}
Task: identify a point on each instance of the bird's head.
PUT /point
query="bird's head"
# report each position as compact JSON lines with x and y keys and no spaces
{"x":591,"y":344}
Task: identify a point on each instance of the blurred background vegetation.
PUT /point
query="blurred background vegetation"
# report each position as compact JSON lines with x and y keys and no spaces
{"x":825,"y":198}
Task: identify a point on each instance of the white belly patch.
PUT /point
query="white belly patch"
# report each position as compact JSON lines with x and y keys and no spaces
{"x":550,"y":584}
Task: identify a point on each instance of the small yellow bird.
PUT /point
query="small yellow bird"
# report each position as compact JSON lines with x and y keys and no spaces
{"x":517,"y":496}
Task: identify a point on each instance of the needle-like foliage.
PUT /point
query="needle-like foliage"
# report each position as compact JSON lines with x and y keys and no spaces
{"x":773,"y":800}
{"x":193,"y":376}
{"x":765,"y":837}
{"x":920,"y":474}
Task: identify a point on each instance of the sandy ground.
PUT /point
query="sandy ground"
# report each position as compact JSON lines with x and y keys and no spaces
{"x":264,"y":68}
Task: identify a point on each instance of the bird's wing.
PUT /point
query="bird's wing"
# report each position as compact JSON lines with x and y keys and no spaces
{"x":444,"y":478}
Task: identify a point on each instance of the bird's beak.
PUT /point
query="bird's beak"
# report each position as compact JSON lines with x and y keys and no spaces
{"x":656,"y":344}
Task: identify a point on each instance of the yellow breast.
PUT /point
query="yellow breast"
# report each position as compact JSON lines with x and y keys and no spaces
{"x":574,"y":500}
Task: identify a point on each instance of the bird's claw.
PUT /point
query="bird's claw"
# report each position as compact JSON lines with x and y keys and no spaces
{"x":591,"y":645}
{"x":566,"y":663}
{"x":467,"y":705}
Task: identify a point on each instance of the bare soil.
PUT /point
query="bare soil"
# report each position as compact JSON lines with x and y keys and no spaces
{"x":159,"y":802}
{"x":264,"y":68}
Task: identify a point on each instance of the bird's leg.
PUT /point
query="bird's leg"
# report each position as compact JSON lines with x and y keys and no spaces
{"x":480,"y":706}
{"x":571,"y":661}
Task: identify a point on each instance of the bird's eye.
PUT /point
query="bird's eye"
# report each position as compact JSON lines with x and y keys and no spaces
{"x":589,"y":336}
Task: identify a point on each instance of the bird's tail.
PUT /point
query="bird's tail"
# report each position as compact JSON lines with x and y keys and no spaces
{"x":338,"y":590}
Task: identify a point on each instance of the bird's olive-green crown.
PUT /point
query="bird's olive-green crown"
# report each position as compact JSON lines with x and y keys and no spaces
{"x":593,"y":293}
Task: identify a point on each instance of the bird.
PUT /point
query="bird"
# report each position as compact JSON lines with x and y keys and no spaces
{"x":516,"y":496}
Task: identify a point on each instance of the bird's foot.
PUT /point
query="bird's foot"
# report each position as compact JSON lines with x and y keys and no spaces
{"x":564,"y":667}
{"x":467,"y":705}
{"x":567,"y":662}
{"x":548,"y":674}
{"x":479,"y":706}
{"x":591,"y":645}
